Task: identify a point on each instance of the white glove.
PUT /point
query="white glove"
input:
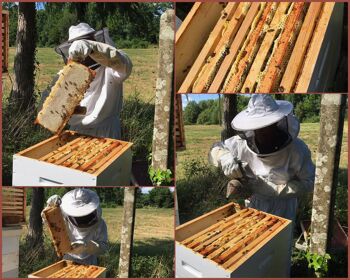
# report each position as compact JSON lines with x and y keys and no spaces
{"x":79,"y":247}
{"x":216,"y":152}
{"x":230,"y":166}
{"x":79,"y":50}
{"x":54,"y":200}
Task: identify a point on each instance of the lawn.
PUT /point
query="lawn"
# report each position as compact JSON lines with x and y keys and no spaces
{"x":199,"y":139}
{"x":142,"y":79}
{"x":153,"y":250}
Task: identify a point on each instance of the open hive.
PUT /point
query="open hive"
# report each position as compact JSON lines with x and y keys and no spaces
{"x":226,"y":242}
{"x":253,"y":47}
{"x":85,"y":153}
{"x":71,"y":158}
{"x":69,"y":269}
{"x":13,"y":205}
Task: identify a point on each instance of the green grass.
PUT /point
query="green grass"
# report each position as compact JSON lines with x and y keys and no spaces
{"x":199,"y":139}
{"x":142,"y":79}
{"x":153,"y":250}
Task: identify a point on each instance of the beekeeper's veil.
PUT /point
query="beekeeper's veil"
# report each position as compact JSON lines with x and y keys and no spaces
{"x":83,"y":31}
{"x":264,"y":111}
{"x":82,"y":208}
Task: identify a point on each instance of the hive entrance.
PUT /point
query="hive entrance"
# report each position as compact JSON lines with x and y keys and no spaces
{"x":228,"y":240}
{"x":260,"y":47}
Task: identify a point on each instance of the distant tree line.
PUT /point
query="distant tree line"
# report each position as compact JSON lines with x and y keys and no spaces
{"x":131,"y":25}
{"x":112,"y":197}
{"x":306,"y":108}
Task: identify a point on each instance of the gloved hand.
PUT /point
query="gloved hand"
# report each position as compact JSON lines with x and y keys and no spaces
{"x":230,"y":166}
{"x":52,"y":201}
{"x":79,"y":247}
{"x":216,"y":152}
{"x":79,"y":50}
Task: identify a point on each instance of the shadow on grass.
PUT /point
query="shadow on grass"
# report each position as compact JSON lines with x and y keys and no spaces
{"x":152,"y":258}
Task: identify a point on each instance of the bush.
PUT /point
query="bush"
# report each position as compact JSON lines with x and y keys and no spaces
{"x":191,"y":112}
{"x":137,"y":125}
{"x":19,"y":133}
{"x":203,"y":190}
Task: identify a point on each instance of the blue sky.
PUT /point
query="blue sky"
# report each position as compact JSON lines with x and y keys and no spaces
{"x":147,"y":189}
{"x":197,"y":98}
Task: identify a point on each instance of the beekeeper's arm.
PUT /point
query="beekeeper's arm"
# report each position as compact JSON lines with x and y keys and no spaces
{"x":97,"y":246}
{"x":108,"y":56}
{"x":226,"y":156}
{"x":104,"y":54}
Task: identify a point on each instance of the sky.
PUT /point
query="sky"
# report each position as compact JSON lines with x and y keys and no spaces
{"x":147,"y":189}
{"x":197,"y":98}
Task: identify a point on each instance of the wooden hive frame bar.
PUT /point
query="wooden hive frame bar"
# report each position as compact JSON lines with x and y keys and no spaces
{"x":227,"y":241}
{"x":260,"y":47}
{"x":85,"y":153}
{"x":57,"y":229}
{"x":76,"y":271}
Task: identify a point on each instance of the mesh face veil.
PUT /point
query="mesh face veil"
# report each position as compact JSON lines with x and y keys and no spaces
{"x":85,"y":221}
{"x":282,"y":135}
{"x":98,"y":36}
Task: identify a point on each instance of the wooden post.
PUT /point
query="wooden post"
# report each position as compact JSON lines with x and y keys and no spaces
{"x":327,"y":163}
{"x":230,"y":111}
{"x":164,"y":91}
{"x":127,"y":234}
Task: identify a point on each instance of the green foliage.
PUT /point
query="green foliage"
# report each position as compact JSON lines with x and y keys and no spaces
{"x":161,"y":197}
{"x":137,"y":125}
{"x":191,"y":112}
{"x":202,"y":190}
{"x":133,"y":25}
{"x":318,"y":263}
{"x":160,"y":177}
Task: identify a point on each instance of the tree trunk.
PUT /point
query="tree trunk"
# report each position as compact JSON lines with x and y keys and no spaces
{"x":35,"y":230}
{"x":127,"y":234}
{"x":164,"y":87}
{"x":230,"y":111}
{"x":22,"y":94}
{"x":327,"y":164}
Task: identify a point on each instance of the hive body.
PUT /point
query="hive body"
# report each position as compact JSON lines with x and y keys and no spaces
{"x":69,"y":269}
{"x":72,"y":159}
{"x":226,"y":243}
{"x":65,"y":95}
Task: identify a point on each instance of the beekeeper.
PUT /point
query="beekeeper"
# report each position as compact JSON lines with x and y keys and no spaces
{"x":103,"y":99}
{"x":86,"y":228}
{"x":267,"y":157}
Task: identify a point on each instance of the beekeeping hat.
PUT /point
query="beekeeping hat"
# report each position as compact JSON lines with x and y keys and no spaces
{"x":80,"y":30}
{"x":79,"y":202}
{"x":262,"y":111}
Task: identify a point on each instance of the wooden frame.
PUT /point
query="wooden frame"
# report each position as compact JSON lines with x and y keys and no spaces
{"x":13,"y":206}
{"x":287,"y":55}
{"x":5,"y":40}
{"x":69,"y":269}
{"x":58,"y":230}
{"x":71,"y":156}
{"x":226,"y":241}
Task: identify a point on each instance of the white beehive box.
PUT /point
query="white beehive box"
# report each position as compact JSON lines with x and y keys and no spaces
{"x":226,"y":243}
{"x":72,"y":159}
{"x":69,"y":269}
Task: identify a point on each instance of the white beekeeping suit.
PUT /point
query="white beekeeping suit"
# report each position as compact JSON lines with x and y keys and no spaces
{"x":104,"y":98}
{"x":86,"y":228}
{"x":278,"y":171}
